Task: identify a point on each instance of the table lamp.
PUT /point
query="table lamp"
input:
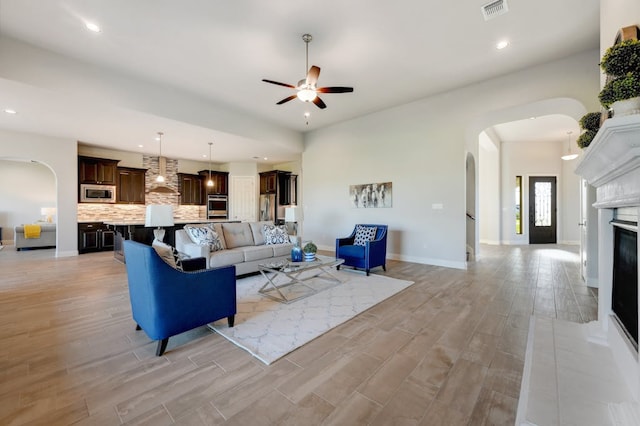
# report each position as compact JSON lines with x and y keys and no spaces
{"x":292,"y":214}
{"x":48,"y":212}
{"x":159,"y":215}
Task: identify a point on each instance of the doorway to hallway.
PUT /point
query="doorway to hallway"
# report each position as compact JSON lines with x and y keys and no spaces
{"x":542,"y":210}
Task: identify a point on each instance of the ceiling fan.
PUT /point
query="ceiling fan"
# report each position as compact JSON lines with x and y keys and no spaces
{"x":306,"y":88}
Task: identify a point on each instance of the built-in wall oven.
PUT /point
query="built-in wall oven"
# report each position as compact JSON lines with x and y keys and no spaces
{"x":217,"y":207}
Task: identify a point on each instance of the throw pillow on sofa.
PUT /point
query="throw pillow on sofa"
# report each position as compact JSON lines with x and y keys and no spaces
{"x":204,"y":236}
{"x":364,"y":234}
{"x":167,"y":253}
{"x":275,"y":234}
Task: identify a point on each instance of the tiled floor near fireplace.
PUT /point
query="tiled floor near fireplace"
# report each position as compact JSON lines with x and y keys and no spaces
{"x":568,"y":379}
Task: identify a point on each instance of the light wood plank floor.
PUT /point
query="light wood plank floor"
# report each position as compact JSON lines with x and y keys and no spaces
{"x":448,"y":350}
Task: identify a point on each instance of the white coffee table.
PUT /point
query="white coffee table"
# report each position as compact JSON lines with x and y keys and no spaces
{"x":290,"y":281}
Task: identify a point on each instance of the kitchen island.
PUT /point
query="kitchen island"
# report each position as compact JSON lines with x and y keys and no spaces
{"x":136,"y":230}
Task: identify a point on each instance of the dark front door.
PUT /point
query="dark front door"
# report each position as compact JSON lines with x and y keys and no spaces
{"x":542,"y":210}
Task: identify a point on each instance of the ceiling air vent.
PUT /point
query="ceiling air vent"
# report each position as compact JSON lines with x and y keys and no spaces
{"x":495,"y":8}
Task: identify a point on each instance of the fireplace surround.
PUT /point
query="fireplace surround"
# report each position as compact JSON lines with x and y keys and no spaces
{"x":624,"y":292}
{"x":612,"y":165}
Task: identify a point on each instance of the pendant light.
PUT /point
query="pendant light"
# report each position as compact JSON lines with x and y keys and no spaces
{"x":569,"y":155}
{"x":160,"y":178}
{"x":210,"y":182}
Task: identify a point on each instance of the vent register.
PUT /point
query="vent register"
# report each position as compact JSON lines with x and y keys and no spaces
{"x":494,"y":9}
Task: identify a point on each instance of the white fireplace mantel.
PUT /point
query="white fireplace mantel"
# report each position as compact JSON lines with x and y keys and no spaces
{"x":611,"y":163}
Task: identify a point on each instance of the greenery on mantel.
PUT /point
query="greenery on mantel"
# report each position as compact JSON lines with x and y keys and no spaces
{"x":621,"y":58}
{"x":585,"y":138}
{"x":621,"y":62}
{"x":590,"y":123}
{"x":620,"y":88}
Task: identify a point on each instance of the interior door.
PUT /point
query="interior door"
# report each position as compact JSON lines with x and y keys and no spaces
{"x":583,"y":228}
{"x":542,"y":210}
{"x":242,"y":198}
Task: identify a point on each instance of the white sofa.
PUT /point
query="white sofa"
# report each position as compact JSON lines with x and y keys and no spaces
{"x":47,"y":237}
{"x":243,"y":246}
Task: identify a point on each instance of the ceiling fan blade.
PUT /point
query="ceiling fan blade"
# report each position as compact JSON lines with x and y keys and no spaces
{"x":279,"y":84}
{"x":290,"y":98}
{"x":319,"y":103}
{"x":312,"y":75}
{"x":334,"y":89}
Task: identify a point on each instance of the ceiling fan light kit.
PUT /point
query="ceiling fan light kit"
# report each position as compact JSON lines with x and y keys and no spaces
{"x":306,"y":88}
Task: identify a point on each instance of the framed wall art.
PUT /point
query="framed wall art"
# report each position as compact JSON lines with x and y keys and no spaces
{"x":371,"y":195}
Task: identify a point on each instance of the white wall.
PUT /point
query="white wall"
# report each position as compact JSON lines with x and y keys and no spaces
{"x":489,"y":211}
{"x":421,"y":147}
{"x":21,"y":203}
{"x":60,"y":155}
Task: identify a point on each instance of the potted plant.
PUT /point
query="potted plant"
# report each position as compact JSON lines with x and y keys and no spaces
{"x":310,"y":250}
{"x":590,"y":123}
{"x":585,"y":139}
{"x":624,"y":92}
{"x":621,"y":62}
{"x":621,"y":58}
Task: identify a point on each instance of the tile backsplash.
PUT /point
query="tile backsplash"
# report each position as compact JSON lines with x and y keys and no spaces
{"x":115,"y":212}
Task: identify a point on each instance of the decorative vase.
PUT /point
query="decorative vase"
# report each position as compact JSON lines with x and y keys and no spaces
{"x":626,"y":107}
{"x":308,"y":257}
{"x":296,"y":253}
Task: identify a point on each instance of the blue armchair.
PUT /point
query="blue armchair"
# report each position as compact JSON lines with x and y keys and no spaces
{"x":166,"y":302}
{"x":368,"y":256}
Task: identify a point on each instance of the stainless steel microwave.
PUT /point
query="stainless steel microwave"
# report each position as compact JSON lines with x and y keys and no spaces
{"x":97,"y":193}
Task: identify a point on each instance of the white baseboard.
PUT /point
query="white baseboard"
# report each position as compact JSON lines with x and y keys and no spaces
{"x":424,"y":260}
{"x":429,"y":261}
{"x":490,"y":242}
{"x":68,"y":253}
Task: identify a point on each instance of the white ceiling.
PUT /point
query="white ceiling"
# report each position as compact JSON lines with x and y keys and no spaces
{"x":390,"y":52}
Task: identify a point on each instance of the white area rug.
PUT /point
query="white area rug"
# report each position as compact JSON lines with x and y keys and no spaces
{"x":269,"y":330}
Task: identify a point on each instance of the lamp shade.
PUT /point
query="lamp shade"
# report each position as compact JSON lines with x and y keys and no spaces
{"x":48,"y":212}
{"x":159,"y":215}
{"x":291,"y":214}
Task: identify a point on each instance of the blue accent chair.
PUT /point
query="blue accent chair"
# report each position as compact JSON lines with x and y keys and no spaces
{"x":366,"y":257}
{"x":166,"y":302}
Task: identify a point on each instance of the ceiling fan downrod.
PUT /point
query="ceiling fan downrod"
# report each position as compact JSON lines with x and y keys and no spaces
{"x":307,"y":39}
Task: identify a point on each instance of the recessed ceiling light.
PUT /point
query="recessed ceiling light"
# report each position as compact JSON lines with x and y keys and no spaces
{"x":265,"y":158}
{"x":10,"y":111}
{"x":140,"y":146}
{"x":532,"y":118}
{"x":204,"y":155}
{"x":502,"y":44}
{"x":91,"y":26}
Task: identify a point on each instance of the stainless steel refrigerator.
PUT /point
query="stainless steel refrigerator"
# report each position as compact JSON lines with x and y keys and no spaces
{"x":267,"y":207}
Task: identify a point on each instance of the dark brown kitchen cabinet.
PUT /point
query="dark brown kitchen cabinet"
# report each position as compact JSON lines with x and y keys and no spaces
{"x":97,"y":170}
{"x":95,"y":236}
{"x":268,"y":182}
{"x":131,"y":185}
{"x":190,"y":187}
{"x":220,"y":182}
